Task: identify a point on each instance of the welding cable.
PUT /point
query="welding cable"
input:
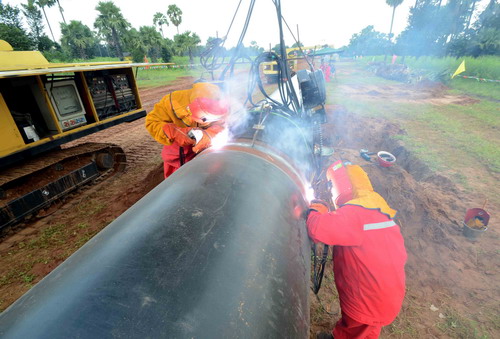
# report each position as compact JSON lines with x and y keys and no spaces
{"x":239,"y":45}
{"x":255,"y":79}
{"x":318,"y":267}
{"x":231,"y":24}
{"x":215,"y":49}
{"x":213,"y":52}
{"x":287,"y":84}
{"x":296,"y":41}
{"x":254,"y":76}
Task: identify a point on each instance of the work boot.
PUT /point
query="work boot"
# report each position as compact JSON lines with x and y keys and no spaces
{"x":324,"y":335}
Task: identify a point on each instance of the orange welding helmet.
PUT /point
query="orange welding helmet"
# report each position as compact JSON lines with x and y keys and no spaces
{"x":363,"y":193}
{"x":205,"y":110}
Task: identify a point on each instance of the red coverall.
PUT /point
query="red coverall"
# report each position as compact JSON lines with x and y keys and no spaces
{"x":369,"y":259}
{"x":326,"y":71}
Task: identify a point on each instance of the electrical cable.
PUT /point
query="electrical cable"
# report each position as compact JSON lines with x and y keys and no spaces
{"x":255,"y":79}
{"x":288,"y":85}
{"x":239,"y":45}
{"x":215,"y":50}
{"x":319,"y":267}
{"x":298,"y":43}
{"x":231,"y":24}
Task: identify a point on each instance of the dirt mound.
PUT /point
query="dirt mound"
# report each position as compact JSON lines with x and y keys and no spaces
{"x":423,"y":92}
{"x":444,"y":268}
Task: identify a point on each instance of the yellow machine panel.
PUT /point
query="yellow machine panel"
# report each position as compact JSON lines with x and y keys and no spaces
{"x":10,"y":137}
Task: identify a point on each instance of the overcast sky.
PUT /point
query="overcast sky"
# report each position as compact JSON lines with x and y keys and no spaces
{"x":320,"y":21}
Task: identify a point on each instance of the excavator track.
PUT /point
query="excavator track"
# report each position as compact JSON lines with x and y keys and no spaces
{"x":37,"y":183}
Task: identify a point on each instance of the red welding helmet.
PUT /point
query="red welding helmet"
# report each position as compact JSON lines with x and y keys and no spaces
{"x":204,"y":110}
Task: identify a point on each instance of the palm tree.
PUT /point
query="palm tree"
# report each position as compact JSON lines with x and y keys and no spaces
{"x":46,"y":3}
{"x":111,"y":23}
{"x":159,"y":19}
{"x":34,"y":19}
{"x":175,"y":15}
{"x":393,"y":4}
{"x":78,"y":38}
{"x":151,"y":40}
{"x":472,"y":7}
{"x":186,"y":42}
{"x":61,"y":10}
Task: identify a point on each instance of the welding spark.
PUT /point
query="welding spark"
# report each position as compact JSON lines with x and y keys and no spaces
{"x":220,"y":140}
{"x":309,"y":193}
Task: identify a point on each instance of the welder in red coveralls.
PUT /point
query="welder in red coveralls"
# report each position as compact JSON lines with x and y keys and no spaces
{"x":326,"y":70}
{"x":198,"y":109}
{"x":368,"y":258}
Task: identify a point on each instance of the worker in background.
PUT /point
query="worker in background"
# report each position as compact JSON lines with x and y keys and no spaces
{"x":199,"y":110}
{"x":331,"y":63}
{"x":368,"y":257}
{"x":326,"y":70}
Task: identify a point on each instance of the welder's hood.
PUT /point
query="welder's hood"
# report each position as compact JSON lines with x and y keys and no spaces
{"x":208,"y":110}
{"x":363,"y":193}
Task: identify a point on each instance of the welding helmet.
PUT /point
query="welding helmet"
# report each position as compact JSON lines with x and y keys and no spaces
{"x":205,"y":110}
{"x":363,"y":193}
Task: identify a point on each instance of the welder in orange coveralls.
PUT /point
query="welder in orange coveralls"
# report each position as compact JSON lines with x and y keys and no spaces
{"x":199,"y":109}
{"x":368,"y":258}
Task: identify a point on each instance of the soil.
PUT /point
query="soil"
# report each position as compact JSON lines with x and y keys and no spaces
{"x":445,"y":270}
{"x":425,"y":92}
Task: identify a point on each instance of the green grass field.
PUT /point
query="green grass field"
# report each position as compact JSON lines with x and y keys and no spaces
{"x":162,"y":76}
{"x":483,"y":67}
{"x":451,"y":138}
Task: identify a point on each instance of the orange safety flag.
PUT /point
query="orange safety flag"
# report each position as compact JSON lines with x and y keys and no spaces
{"x":459,"y":70}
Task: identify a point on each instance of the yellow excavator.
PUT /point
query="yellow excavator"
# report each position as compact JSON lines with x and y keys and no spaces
{"x":44,"y":105}
{"x":270,"y":69}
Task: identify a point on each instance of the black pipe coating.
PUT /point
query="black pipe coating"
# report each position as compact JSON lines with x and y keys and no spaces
{"x":219,"y":250}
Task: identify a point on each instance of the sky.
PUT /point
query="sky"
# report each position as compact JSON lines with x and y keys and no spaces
{"x":330,"y":22}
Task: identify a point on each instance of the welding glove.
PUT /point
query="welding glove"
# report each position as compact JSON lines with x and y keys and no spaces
{"x":206,"y":140}
{"x":319,"y":206}
{"x":178,"y":134}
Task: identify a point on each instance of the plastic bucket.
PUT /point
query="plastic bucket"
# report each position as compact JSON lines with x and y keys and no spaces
{"x":385,"y":159}
{"x":473,"y":233}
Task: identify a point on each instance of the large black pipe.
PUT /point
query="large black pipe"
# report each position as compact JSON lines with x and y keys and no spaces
{"x":219,"y":250}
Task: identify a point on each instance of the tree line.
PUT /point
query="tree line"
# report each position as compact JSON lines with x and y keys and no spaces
{"x":111,"y":36}
{"x":433,"y":28}
{"x":436,"y":29}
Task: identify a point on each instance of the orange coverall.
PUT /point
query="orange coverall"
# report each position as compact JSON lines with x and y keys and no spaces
{"x":172,"y":109}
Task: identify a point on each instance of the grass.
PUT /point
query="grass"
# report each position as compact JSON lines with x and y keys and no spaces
{"x":458,"y":326}
{"x":444,"y":136}
{"x":483,"y":67}
{"x":404,"y":325}
{"x":90,"y":208}
{"x":52,"y":235}
{"x":486,"y":90}
{"x":162,"y":76}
